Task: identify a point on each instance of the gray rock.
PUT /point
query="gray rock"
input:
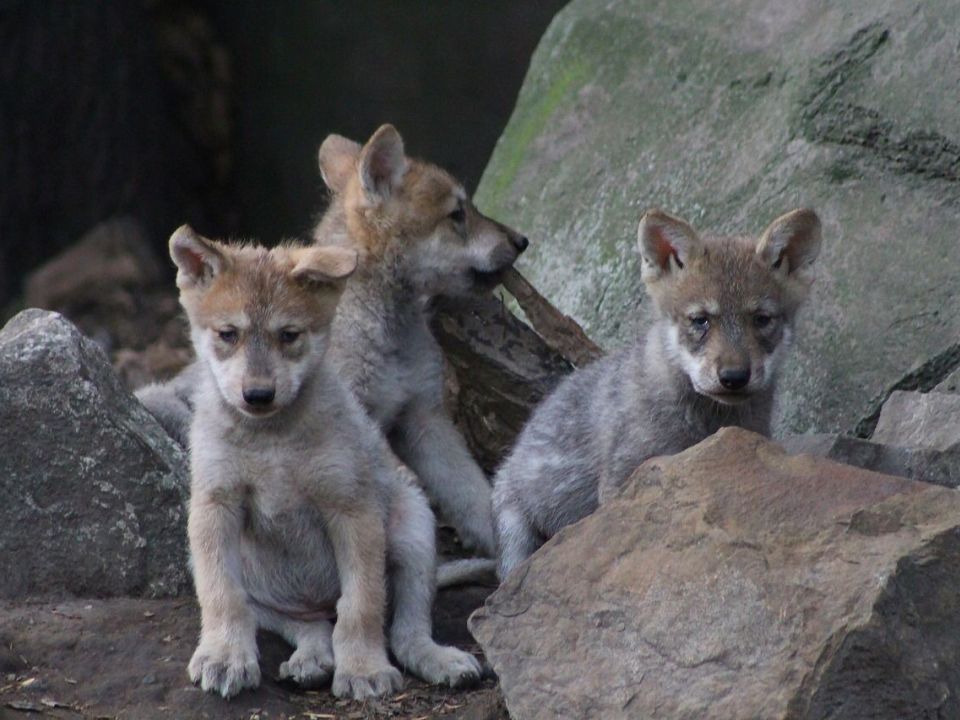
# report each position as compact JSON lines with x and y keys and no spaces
{"x":926,"y":420}
{"x":728,"y":114}
{"x":922,"y":464}
{"x":92,"y":490}
{"x":736,"y":581}
{"x":951,"y":384}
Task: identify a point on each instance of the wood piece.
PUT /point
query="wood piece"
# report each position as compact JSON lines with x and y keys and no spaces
{"x":561,"y":332}
{"x":503,"y":369}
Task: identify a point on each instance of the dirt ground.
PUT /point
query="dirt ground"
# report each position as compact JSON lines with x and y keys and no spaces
{"x":126,"y":658}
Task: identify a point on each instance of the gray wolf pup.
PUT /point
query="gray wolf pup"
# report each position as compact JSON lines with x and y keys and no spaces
{"x":298,"y":511}
{"x":725,"y":310}
{"x":418,"y":236}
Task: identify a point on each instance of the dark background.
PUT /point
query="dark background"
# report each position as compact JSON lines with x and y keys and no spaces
{"x":211,"y":111}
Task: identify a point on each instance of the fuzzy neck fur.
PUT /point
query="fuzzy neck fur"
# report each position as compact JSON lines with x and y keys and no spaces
{"x":380,"y":341}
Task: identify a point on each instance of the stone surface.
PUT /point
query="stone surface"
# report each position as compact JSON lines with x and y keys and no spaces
{"x":92,"y":490}
{"x":927,"y":420}
{"x":951,"y":384}
{"x":729,"y":113}
{"x":916,"y":463}
{"x":734,"y":580}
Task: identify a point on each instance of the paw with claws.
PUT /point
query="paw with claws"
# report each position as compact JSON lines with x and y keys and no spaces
{"x":366,"y":680}
{"x":308,"y":667}
{"x":225,"y":668}
{"x":443,"y":665}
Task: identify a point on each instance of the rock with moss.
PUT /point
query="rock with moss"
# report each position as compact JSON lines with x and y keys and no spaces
{"x":729,"y":114}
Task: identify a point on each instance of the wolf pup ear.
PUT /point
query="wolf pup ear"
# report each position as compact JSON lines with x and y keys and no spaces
{"x":666,"y":244}
{"x":325,"y":264}
{"x":338,"y":161}
{"x":197,"y":259}
{"x":792,"y":242}
{"x":382,"y":164}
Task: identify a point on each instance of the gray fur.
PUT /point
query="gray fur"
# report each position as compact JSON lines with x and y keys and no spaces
{"x":171,"y":403}
{"x":662,"y":394}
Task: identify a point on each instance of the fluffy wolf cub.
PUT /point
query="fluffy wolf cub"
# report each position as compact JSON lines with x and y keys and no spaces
{"x":725,"y":310}
{"x":298,"y":512}
{"x":418,"y":236}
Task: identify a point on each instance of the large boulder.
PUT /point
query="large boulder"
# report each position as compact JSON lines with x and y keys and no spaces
{"x":729,"y":113}
{"x":736,"y":581}
{"x":92,"y":490}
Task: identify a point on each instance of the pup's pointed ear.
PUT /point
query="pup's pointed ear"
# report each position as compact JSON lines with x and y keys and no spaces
{"x":338,"y":160}
{"x":382,"y":164}
{"x":324,"y":264}
{"x":792,"y":242}
{"x":198,"y":259}
{"x":666,"y":244}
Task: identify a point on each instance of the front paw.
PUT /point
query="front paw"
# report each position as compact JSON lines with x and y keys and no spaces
{"x":366,"y":680}
{"x":224,"y":668}
{"x":308,"y":669}
{"x":444,"y":665}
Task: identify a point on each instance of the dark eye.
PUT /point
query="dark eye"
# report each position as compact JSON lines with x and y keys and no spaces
{"x":228,"y":335}
{"x":761,"y":320}
{"x":289,"y":336}
{"x":459,"y":215}
{"x":700,"y":322}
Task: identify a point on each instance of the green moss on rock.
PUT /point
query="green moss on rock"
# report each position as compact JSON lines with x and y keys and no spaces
{"x":730,"y":113}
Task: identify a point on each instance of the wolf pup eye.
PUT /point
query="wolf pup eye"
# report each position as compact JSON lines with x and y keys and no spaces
{"x":762,"y":320}
{"x":228,"y":335}
{"x":459,"y":215}
{"x":700,"y":322}
{"x":288,"y":337}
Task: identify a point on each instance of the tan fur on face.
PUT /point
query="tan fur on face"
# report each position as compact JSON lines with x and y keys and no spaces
{"x":423,"y":200}
{"x":730,"y":301}
{"x":259,"y":316}
{"x":255,"y":280}
{"x":411,"y":216}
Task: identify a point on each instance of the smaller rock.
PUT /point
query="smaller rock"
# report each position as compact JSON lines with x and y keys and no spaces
{"x":92,"y":491}
{"x":921,"y":464}
{"x":925,"y":420}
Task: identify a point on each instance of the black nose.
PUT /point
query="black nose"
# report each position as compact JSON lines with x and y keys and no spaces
{"x":258,"y":397}
{"x":520,"y":242}
{"x":734,"y":379}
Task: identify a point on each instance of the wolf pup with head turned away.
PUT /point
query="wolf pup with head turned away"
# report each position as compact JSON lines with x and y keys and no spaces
{"x":725,"y":316}
{"x":299,"y":513}
{"x":418,"y":237}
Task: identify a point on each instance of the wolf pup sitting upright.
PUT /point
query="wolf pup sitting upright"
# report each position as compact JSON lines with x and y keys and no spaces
{"x":298,"y":511}
{"x":418,"y":236}
{"x":725,"y":315}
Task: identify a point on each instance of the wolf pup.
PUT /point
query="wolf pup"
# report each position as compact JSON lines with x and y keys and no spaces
{"x":298,"y":511}
{"x":725,"y":310}
{"x":418,"y":236}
